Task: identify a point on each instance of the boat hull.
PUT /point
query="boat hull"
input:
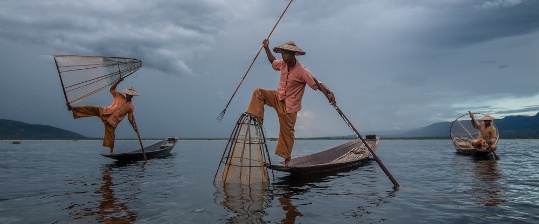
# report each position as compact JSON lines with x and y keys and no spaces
{"x":462,"y":135}
{"x":473,"y":152}
{"x":158,"y":150}
{"x":345,"y":156}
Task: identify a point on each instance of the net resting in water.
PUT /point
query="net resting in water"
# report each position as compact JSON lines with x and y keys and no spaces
{"x":245,"y":156}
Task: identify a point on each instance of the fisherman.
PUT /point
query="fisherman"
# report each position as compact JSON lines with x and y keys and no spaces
{"x":487,"y":137}
{"x":111,"y":115}
{"x":286,"y":100}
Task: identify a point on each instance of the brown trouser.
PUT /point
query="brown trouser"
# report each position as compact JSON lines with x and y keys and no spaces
{"x":287,"y":121}
{"x":91,"y":111}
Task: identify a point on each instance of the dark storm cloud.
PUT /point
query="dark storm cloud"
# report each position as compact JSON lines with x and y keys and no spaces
{"x":473,"y":22}
{"x":392,"y":64}
{"x":164,"y":34}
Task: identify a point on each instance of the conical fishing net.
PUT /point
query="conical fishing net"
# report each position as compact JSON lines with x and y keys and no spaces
{"x":245,"y":155}
{"x":84,"y":76}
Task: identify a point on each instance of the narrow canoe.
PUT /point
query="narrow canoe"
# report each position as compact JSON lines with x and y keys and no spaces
{"x":463,"y":133}
{"x":465,"y":147}
{"x":343,"y":156}
{"x":158,"y":150}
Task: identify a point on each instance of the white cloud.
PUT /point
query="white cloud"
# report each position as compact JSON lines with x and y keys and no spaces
{"x":499,"y":3}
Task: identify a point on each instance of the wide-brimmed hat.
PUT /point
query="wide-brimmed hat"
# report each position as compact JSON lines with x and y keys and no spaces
{"x":289,"y":46}
{"x":487,"y":118}
{"x":130,"y":91}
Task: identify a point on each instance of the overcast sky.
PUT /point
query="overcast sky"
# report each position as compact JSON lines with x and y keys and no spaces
{"x":392,"y":64}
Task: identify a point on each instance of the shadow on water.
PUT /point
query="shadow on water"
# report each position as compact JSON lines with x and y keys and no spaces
{"x":111,"y":206}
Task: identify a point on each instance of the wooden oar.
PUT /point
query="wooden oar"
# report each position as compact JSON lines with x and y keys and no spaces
{"x":395,"y":184}
{"x":222,"y":114}
{"x":135,"y":126}
{"x":484,"y":136}
{"x":141,"y":147}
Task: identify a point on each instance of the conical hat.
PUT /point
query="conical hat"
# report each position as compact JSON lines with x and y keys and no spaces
{"x":130,"y":91}
{"x":289,"y":46}
{"x":487,"y":118}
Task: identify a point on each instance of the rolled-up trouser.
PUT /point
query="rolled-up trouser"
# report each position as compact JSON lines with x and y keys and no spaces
{"x":287,"y":121}
{"x":91,"y":111}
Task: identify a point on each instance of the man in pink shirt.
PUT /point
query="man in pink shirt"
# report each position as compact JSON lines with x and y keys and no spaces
{"x":286,"y":100}
{"x":111,"y":115}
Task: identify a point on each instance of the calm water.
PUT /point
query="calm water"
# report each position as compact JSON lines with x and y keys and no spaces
{"x":69,"y":182}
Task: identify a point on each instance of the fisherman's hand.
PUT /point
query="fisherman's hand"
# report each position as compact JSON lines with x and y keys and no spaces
{"x":265,"y":43}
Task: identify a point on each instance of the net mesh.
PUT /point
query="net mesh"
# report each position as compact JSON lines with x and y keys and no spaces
{"x":463,"y":133}
{"x":245,"y":156}
{"x":84,"y":76}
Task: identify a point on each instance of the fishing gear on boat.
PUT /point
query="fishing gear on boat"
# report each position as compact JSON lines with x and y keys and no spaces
{"x":84,"y":76}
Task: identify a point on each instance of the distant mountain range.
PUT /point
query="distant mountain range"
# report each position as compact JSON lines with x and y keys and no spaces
{"x":10,"y":129}
{"x":509,"y":127}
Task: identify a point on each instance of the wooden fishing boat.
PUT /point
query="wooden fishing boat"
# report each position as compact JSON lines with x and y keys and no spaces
{"x":343,"y":156}
{"x":463,"y":133}
{"x":158,"y":150}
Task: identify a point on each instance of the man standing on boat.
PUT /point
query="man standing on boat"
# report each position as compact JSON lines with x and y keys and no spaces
{"x":111,"y":115}
{"x":286,"y":100}
{"x":487,"y":137}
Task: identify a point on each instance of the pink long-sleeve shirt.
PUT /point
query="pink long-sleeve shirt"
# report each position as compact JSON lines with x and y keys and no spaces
{"x":292,"y":84}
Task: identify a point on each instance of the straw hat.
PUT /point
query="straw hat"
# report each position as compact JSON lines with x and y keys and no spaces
{"x":130,"y":91}
{"x":289,"y":46}
{"x":487,"y":118}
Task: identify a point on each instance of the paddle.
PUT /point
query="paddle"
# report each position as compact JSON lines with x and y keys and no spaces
{"x":488,"y":144}
{"x":222,"y":114}
{"x":141,"y":147}
{"x":395,"y":184}
{"x":140,"y":141}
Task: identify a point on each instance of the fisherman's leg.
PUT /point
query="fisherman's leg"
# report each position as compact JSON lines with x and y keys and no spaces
{"x":260,"y":98}
{"x":285,"y":143}
{"x":476,"y":144}
{"x":86,"y":111}
{"x":108,"y":139}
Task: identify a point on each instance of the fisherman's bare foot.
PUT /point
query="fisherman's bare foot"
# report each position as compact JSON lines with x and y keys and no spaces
{"x":111,"y":152}
{"x":287,"y":162}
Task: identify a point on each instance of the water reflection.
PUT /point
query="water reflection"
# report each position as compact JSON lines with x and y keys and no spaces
{"x":290,"y":189}
{"x":487,"y":176}
{"x":291,"y":211}
{"x":247,"y":202}
{"x":111,"y":209}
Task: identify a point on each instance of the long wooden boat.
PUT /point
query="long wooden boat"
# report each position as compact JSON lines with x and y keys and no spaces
{"x":158,"y":150}
{"x":343,"y":156}
{"x":463,"y":133}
